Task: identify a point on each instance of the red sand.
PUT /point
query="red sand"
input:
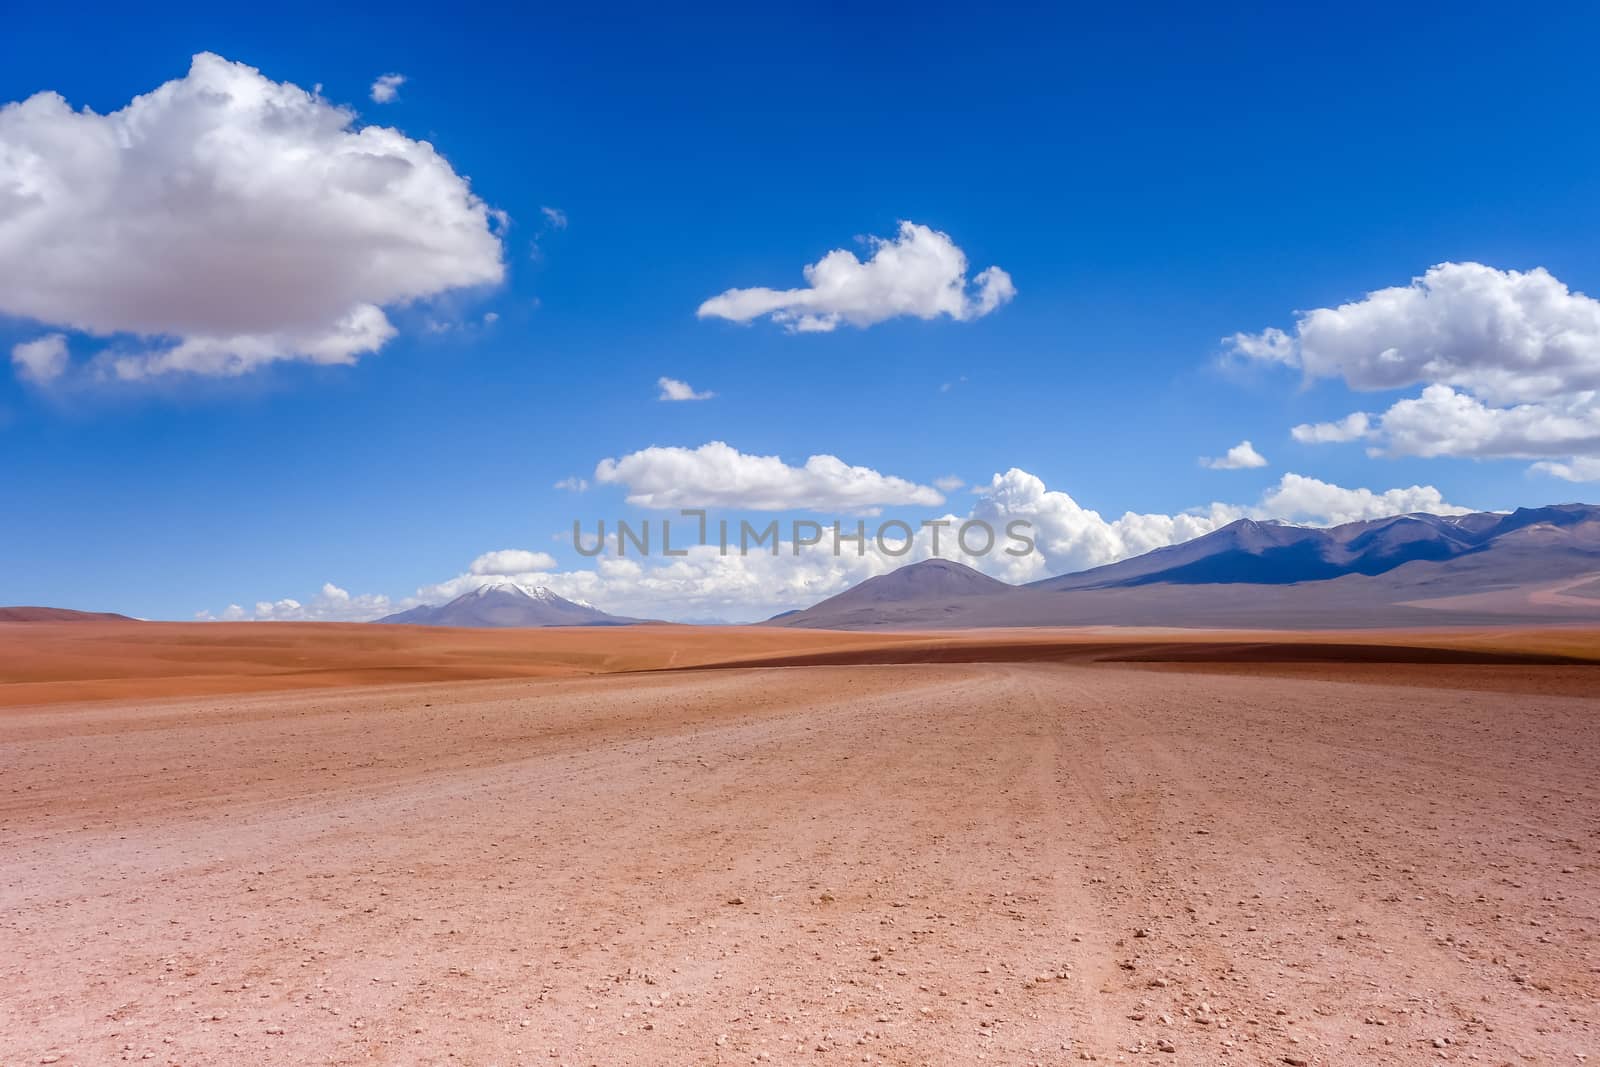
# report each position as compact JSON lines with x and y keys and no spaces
{"x":52,"y":663}
{"x":1036,"y":862}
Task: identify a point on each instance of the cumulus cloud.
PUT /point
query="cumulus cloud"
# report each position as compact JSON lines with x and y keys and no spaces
{"x":1352,"y":427}
{"x":387,"y":87}
{"x":512,"y":561}
{"x":921,"y":273}
{"x":1505,"y":336}
{"x":1444,"y":422}
{"x":1241,"y":456}
{"x":231,"y":613}
{"x":41,"y":361}
{"x":717,"y":475}
{"x":705,"y":582}
{"x":332,"y":604}
{"x":1509,"y":361}
{"x":1582,"y":469}
{"x":1071,"y":537}
{"x":224,"y":221}
{"x":554,"y":217}
{"x":573,"y":485}
{"x":1302,"y":499}
{"x":673,"y":389}
{"x":949,"y":483}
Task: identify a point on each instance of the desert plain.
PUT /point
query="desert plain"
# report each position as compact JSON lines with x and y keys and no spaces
{"x":282,"y":843}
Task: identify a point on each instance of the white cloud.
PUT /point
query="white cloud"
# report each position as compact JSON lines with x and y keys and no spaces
{"x":1271,"y":345}
{"x":573,"y":484}
{"x":512,"y":561}
{"x":673,"y":389}
{"x":232,"y":613}
{"x":41,"y":361}
{"x":1071,"y":537}
{"x":1303,"y":499}
{"x":1505,"y":336}
{"x":387,"y":87}
{"x":1352,"y":427}
{"x":1444,"y":422}
{"x":554,"y":217}
{"x":225,"y":221}
{"x":1241,"y":456}
{"x":716,"y":475}
{"x":920,"y":273}
{"x":949,"y":483}
{"x":1509,"y":361}
{"x":705,"y":582}
{"x":1582,"y":469}
{"x":332,"y":604}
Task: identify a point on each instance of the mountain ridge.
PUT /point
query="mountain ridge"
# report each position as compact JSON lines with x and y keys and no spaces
{"x":1403,"y":570}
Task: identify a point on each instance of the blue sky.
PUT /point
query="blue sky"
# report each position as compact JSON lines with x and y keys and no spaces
{"x":1151,"y":183}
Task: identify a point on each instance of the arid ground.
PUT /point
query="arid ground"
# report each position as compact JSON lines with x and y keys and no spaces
{"x":318,"y":844}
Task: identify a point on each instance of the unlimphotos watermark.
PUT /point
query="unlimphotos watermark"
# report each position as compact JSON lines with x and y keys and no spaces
{"x":891,"y":537}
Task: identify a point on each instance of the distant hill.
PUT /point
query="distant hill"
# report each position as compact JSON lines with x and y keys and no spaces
{"x":929,"y":588}
{"x":35,"y":614}
{"x":508,"y":605}
{"x":1533,"y":565}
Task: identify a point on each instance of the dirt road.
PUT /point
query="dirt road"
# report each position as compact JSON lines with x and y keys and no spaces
{"x":916,"y":863}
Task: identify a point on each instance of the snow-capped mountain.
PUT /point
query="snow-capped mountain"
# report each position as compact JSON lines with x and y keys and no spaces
{"x":508,"y":605}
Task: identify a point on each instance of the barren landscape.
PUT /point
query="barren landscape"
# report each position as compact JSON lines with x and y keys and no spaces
{"x":806,"y":535}
{"x":1025,"y":860}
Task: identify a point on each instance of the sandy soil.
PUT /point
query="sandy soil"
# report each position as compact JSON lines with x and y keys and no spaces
{"x":43,"y":663}
{"x":1028,"y":862}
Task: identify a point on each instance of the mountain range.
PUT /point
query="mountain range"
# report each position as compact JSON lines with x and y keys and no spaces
{"x":1530,"y":565}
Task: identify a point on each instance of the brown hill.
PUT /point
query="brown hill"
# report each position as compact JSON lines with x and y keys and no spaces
{"x":24,"y":613}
